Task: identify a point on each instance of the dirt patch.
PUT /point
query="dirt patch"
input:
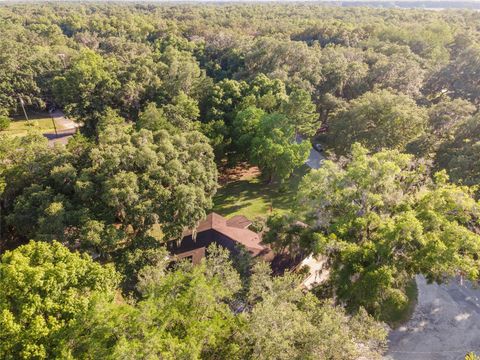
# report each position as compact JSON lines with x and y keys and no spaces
{"x":242,"y":171}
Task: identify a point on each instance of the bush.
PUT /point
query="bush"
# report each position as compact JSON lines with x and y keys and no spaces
{"x":258,"y":224}
{"x":4,"y":122}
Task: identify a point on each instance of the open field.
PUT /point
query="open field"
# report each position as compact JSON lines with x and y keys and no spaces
{"x":252,"y":197}
{"x":41,"y":122}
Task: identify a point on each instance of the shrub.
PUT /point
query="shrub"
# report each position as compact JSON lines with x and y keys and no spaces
{"x":4,"y":122}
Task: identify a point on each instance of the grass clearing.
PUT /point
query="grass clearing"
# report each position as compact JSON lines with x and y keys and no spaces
{"x":252,"y":197}
{"x":246,"y":193}
{"x":41,"y":122}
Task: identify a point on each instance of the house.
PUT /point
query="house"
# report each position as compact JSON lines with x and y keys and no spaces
{"x":229,"y":233}
{"x":234,"y":233}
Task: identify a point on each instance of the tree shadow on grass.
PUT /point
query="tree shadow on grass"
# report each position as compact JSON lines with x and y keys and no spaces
{"x":254,"y":197}
{"x":32,"y":115}
{"x":231,"y":209}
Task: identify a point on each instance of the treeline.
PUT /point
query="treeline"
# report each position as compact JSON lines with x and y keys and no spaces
{"x":222,"y":59}
{"x":409,"y":4}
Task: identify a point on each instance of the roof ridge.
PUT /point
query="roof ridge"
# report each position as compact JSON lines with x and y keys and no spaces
{"x":217,"y":220}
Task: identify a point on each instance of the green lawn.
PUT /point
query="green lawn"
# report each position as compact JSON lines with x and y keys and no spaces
{"x":41,"y":122}
{"x":253,"y":197}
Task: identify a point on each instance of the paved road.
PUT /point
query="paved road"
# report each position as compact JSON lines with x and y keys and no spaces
{"x":445,"y":324}
{"x":69,"y":127}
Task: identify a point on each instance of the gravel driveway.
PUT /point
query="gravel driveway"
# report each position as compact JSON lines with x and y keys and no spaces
{"x":315,"y":159}
{"x":445,"y":324}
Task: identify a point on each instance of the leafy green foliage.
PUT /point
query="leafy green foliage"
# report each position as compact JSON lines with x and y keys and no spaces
{"x":44,"y":288}
{"x":304,"y":327}
{"x":87,"y":88}
{"x":4,"y":122}
{"x":344,"y":72}
{"x":379,"y":119}
{"x":456,"y":78}
{"x":28,"y":66}
{"x":245,"y":126}
{"x":109,"y":193}
{"x":185,"y":313}
{"x":285,"y":233}
{"x":155,"y":91}
{"x":274,"y":149}
{"x":444,"y":119}
{"x":302,"y":112}
{"x":401,"y":71}
{"x":459,"y":154}
{"x":381,"y":220}
{"x":181,"y":115}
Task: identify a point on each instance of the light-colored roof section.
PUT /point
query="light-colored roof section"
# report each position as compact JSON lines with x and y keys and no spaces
{"x":239,"y":221}
{"x":245,"y":237}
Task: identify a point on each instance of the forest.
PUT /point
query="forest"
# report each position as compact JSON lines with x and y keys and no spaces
{"x":168,"y":99}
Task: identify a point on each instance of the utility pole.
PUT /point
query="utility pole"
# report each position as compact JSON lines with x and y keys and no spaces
{"x":53,"y":121}
{"x":23,"y":107}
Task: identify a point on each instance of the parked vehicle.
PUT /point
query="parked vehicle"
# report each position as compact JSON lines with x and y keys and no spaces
{"x":318,"y":147}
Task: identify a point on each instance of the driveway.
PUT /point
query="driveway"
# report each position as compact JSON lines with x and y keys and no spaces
{"x":445,"y":324}
{"x":315,"y":159}
{"x":69,"y":127}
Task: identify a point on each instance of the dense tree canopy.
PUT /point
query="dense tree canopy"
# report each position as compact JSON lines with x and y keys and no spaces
{"x":445,"y":118}
{"x":458,"y":77}
{"x":188,"y":312}
{"x":379,"y":119}
{"x":88,"y":87}
{"x":381,"y":220}
{"x":108,"y":192}
{"x":44,"y":288}
{"x":274,"y":149}
{"x":184,"y":312}
{"x":459,"y":154}
{"x":163,"y":94}
{"x":306,"y":67}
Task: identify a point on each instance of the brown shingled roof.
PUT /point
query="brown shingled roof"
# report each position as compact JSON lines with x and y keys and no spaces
{"x":215,"y":228}
{"x":235,"y":228}
{"x":239,"y":221}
